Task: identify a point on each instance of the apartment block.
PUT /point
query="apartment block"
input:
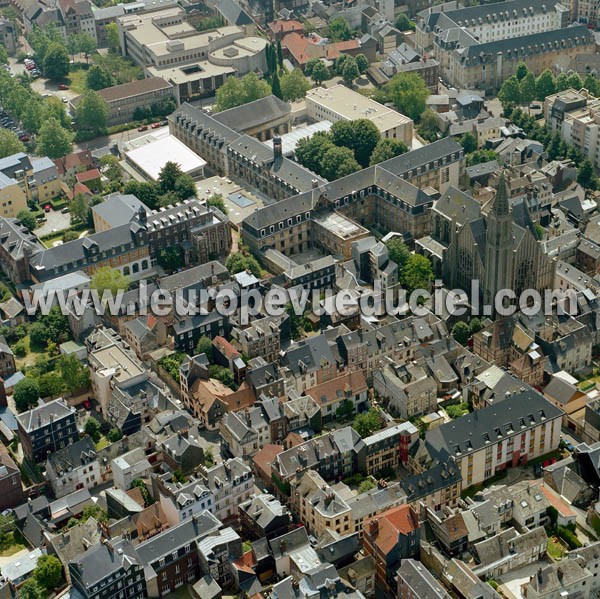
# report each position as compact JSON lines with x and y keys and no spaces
{"x":511,"y":432}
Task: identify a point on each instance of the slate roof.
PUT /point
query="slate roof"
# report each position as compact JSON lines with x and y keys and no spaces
{"x":474,"y":431}
{"x":418,"y":578}
{"x":43,"y":415}
{"x":254,"y":114}
{"x":73,"y":456}
{"x":119,"y":209}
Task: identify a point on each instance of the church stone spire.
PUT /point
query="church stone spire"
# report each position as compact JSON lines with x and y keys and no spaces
{"x":500,"y":206}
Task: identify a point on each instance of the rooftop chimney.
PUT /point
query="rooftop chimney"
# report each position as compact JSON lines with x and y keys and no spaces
{"x":277,"y":148}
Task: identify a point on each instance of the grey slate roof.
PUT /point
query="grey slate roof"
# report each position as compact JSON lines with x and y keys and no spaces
{"x":119,"y":209}
{"x":253,"y":114}
{"x":422,"y":583}
{"x":472,"y":432}
{"x":43,"y":415}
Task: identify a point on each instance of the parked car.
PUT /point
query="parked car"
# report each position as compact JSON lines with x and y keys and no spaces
{"x":155,"y":126}
{"x":569,"y":446}
{"x":65,"y":99}
{"x":164,"y":123}
{"x":47,"y":208}
{"x":24,"y":137}
{"x":63,"y":86}
{"x":143,"y":128}
{"x":65,"y":210}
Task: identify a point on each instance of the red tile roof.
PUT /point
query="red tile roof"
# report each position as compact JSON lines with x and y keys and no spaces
{"x":396,"y":521}
{"x":304,"y":47}
{"x":281,"y":26}
{"x":90,"y":175}
{"x":226,"y":348}
{"x":264,"y":458}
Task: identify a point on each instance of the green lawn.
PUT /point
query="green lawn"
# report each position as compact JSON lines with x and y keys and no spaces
{"x":77,"y":79}
{"x":104,"y":442}
{"x":556,"y":550}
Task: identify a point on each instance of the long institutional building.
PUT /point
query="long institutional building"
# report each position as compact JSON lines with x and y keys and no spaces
{"x":480,"y":46}
{"x":194,"y":63}
{"x":312,"y":213}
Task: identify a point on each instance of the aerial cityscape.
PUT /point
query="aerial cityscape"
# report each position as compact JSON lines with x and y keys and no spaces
{"x":300,"y":299}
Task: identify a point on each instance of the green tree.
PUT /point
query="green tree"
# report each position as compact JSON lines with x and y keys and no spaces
{"x":527,"y":89}
{"x":469,"y":142}
{"x":237,"y":262}
{"x":480,"y":156}
{"x":27,"y":219}
{"x":320,"y":73}
{"x":521,"y":71}
{"x":276,"y":86}
{"x":345,"y":409}
{"x":204,"y":346}
{"x":586,"y":177}
{"x":338,"y":162}
{"x":361,"y":136}
{"x":171,"y":258}
{"x":222,"y":374}
{"x":403,"y":23}
{"x":475,"y":325}
{"x":168,"y":175}
{"x":91,"y":113}
{"x":87,"y":45}
{"x":398,"y":251}
{"x":461,"y":332}
{"x":109,"y":279}
{"x":235,"y":92}
{"x":350,"y":71}
{"x":92,"y":428}
{"x":50,"y":384}
{"x":387,"y":148}
{"x":339,"y":30}
{"x":562,"y":82}
{"x":545,"y":85}
{"x":26,"y":394}
{"x":53,"y":108}
{"x":417,"y":273}
{"x":113,"y":170}
{"x":310,"y":150}
{"x":74,"y":374}
{"x":32,"y":116}
{"x":80,"y":208}
{"x":366,"y":485}
{"x":367,"y":423}
{"x":217,"y":201}
{"x":574,"y":81}
{"x":53,"y":140}
{"x":56,"y":62}
{"x":279,"y":53}
{"x":9,"y":143}
{"x":94,"y":511}
{"x":408,"y":92}
{"x":510,"y":92}
{"x":114,"y":435}
{"x":112,"y":38}
{"x":362,"y":62}
{"x":98,"y":78}
{"x":48,"y":573}
{"x":30,"y":589}
{"x":294,"y":86}
{"x":185,"y":187}
{"x":592,"y":84}
{"x":3,"y":55}
{"x":428,"y":127}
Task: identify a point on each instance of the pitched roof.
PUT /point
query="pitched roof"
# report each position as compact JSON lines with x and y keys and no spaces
{"x":401,"y":520}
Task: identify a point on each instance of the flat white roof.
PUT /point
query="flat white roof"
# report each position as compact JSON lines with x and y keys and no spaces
{"x":151,"y":157}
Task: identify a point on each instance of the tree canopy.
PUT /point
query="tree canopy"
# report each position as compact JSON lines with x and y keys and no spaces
{"x":361,"y":136}
{"x":56,"y":61}
{"x":27,"y":219}
{"x":109,"y":279}
{"x":92,"y":113}
{"x":26,"y":394}
{"x":339,"y":30}
{"x":294,"y":85}
{"x":98,"y":78}
{"x":338,"y":162}
{"x":387,"y":148}
{"x":235,"y":92}
{"x":237,"y":262}
{"x":408,"y":93}
{"x":9,"y":143}
{"x":54,"y":140}
{"x":48,"y":573}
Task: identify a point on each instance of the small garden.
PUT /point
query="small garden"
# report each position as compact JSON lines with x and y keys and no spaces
{"x":556,"y":548}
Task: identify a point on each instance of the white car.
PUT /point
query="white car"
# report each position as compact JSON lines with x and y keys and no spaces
{"x":64,"y":99}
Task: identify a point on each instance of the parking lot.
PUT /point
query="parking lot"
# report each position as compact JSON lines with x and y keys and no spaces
{"x":55,"y":221}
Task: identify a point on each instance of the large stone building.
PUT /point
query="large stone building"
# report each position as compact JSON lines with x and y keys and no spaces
{"x":494,"y":244}
{"x":479,"y":47}
{"x":389,"y":195}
